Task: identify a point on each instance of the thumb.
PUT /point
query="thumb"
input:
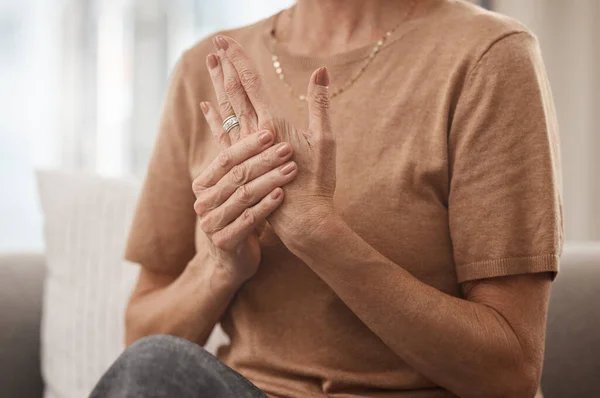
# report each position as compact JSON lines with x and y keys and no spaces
{"x":319,"y":113}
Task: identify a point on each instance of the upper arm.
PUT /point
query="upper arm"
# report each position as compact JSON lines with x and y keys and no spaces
{"x":161,"y":237}
{"x":504,"y":203}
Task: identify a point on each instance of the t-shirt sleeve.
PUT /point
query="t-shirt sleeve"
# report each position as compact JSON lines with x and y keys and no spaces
{"x":505,"y":206}
{"x":161,"y":237}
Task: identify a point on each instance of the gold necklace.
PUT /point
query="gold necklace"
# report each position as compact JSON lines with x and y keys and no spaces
{"x":279,"y":68}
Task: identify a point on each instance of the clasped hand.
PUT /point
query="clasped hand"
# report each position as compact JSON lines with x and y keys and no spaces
{"x":243,"y":187}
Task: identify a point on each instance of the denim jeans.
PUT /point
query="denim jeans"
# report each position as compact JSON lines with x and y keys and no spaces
{"x":170,"y":367}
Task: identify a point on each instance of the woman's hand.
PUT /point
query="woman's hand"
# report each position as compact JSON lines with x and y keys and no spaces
{"x":235,"y":194}
{"x":309,"y":199}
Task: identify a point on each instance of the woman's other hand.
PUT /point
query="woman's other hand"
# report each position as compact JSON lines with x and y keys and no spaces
{"x":236,"y":193}
{"x":309,"y":199}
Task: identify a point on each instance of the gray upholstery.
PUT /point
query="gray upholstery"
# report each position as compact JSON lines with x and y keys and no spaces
{"x":21,"y":281}
{"x":571,"y":369}
{"x":572,"y":362}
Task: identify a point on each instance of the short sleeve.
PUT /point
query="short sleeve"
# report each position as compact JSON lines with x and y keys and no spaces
{"x":505,"y":205}
{"x":161,"y":237}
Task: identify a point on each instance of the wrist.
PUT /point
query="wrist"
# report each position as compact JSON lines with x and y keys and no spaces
{"x":214,"y":277}
{"x":222,"y":280}
{"x":319,"y":232}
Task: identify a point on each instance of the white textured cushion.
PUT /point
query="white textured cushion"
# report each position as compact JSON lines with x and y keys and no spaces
{"x":88,"y":283}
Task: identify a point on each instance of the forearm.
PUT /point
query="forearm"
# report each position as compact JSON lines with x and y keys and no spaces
{"x":465,"y":347}
{"x":189,"y":307}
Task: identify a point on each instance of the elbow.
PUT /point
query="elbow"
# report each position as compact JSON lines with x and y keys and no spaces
{"x":135,"y":327}
{"x":142,"y":320}
{"x":518,"y":381}
{"x":521,"y":382}
{"x":131,"y":326}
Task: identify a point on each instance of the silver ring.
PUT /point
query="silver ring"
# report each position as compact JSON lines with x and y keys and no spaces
{"x":230,"y":123}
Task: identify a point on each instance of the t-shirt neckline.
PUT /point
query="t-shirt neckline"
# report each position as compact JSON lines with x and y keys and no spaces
{"x":347,"y":57}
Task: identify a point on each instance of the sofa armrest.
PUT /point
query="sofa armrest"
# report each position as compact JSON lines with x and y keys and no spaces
{"x":21,"y":285}
{"x":572,"y":362}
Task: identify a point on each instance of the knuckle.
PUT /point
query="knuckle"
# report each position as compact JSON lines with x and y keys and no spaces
{"x":206,"y":225}
{"x":199,"y":207}
{"x":224,"y":158}
{"x":198,"y":186}
{"x":238,"y":174}
{"x":235,"y":53}
{"x":224,"y":105}
{"x":248,"y":217}
{"x":266,"y":158}
{"x":321,"y":99}
{"x":220,"y":196}
{"x":232,"y":86}
{"x":249,"y":79}
{"x":243,"y":195}
{"x":203,"y":204}
{"x":219,"y":241}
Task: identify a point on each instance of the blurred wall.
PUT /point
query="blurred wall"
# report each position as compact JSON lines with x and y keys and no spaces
{"x":82,"y":85}
{"x":569,"y":35}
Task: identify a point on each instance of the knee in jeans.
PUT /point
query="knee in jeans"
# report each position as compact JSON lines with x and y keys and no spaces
{"x":170,"y":363}
{"x":148,"y":343}
{"x":160,"y":349}
{"x":163,"y":341}
{"x":162,"y":354}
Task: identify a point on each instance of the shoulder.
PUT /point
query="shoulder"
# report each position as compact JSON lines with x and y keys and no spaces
{"x":465,"y":16}
{"x":465,"y":23}
{"x":469,"y":33}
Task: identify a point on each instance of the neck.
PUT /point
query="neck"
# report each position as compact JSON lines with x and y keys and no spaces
{"x":326,"y":27}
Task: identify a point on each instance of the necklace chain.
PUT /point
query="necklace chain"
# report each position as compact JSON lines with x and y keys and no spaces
{"x":376,"y":48}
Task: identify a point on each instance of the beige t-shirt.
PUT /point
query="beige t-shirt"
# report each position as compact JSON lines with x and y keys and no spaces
{"x":447,"y":163}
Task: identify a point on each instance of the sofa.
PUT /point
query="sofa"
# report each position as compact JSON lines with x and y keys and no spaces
{"x":571,"y":367}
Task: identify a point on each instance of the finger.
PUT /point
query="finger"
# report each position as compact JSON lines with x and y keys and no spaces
{"x":236,"y":93}
{"x":213,"y":118}
{"x":253,"y":168}
{"x":215,"y":70}
{"x":229,"y":157}
{"x":235,"y":233}
{"x":319,"y":117}
{"x":247,"y":195}
{"x":247,"y":73}
{"x":214,"y":196}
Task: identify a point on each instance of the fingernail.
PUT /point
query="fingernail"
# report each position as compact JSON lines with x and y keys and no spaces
{"x":283,"y":150}
{"x":276,"y":194}
{"x":288,"y":168}
{"x":204,"y":107}
{"x":322,"y":78}
{"x":265,"y":137}
{"x":212,"y":60}
{"x":221,"y":43}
